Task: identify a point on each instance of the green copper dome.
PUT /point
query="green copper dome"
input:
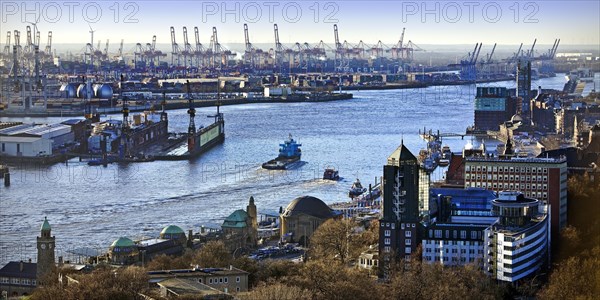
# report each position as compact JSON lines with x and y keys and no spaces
{"x":45,"y":225}
{"x":123,"y":242}
{"x":172,"y":229}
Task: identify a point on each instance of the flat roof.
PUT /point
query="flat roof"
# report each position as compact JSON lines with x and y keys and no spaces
{"x":19,"y":139}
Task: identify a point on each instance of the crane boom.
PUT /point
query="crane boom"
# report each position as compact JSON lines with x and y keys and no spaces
{"x":531,"y":51}
{"x":247,"y":38}
{"x":478,"y":50}
{"x":489,"y":60}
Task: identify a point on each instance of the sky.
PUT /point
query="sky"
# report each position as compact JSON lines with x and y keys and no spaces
{"x":426,"y":22}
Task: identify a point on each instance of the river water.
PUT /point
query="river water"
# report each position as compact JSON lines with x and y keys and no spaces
{"x":92,"y":206}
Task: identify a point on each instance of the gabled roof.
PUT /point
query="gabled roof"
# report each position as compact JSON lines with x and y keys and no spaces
{"x":13,"y":269}
{"x":402,"y":154}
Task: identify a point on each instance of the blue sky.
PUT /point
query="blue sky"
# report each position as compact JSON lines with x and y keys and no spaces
{"x":426,"y":22}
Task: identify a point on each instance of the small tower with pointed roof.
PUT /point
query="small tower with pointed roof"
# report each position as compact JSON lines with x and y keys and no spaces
{"x":45,"y":251}
{"x":252,"y":214}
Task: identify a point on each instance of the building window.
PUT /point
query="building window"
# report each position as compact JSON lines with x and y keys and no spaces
{"x":387,"y":233}
{"x":408,"y":233}
{"x":210,"y":280}
{"x":387,"y":241}
{"x":407,"y":250}
{"x":387,"y":249}
{"x":3,"y":147}
{"x":221,"y":280}
{"x":15,"y":280}
{"x":393,"y":225}
{"x":225,"y":279}
{"x":438,"y":233}
{"x":408,"y":242}
{"x":237,"y":289}
{"x":200,"y":280}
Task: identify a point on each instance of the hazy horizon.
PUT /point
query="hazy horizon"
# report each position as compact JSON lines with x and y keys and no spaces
{"x":426,"y":22}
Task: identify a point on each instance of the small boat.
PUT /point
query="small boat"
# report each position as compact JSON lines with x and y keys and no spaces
{"x":289,"y":156}
{"x":357,"y":189}
{"x":101,"y":161}
{"x":331,"y":174}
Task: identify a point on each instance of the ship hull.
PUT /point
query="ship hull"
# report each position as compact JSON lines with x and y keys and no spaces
{"x":282,"y":163}
{"x":206,"y":138}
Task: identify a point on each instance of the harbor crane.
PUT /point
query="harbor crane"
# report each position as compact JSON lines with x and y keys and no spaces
{"x":6,"y":51}
{"x":174,"y":48}
{"x":199,"y":51}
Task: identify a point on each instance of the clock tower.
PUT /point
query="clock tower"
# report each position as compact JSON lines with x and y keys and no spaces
{"x":45,"y":251}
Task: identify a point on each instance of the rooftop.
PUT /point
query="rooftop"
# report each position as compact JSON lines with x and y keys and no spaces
{"x":187,"y":287}
{"x":196,"y":272}
{"x":517,"y":159}
{"x":13,"y":269}
{"x":236,"y":219}
{"x":172,"y":229}
{"x":308,"y":205}
{"x":123,"y":242}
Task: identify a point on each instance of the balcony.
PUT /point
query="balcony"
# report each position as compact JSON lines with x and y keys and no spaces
{"x":399,"y":201}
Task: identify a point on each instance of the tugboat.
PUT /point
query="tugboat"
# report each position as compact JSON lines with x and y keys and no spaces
{"x":289,"y":156}
{"x":331,"y":174}
{"x":356,"y":190}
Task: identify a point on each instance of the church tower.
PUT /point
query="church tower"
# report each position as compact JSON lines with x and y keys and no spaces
{"x":45,"y":251}
{"x":251,"y":210}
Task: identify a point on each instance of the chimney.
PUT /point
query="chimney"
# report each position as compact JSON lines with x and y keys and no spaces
{"x":21,"y":266}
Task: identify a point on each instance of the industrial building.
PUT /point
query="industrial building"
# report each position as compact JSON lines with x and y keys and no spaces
{"x":29,"y":140}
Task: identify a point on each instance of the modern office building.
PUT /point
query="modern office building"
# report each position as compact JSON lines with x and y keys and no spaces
{"x":455,"y":235}
{"x":493,"y":106}
{"x":517,"y":245}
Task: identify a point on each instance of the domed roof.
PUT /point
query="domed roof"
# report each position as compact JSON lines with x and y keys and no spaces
{"x":45,"y":225}
{"x":123,"y":242}
{"x":308,"y":205}
{"x":172,"y":229}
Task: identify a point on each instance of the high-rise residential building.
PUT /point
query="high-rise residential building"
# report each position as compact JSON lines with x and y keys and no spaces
{"x":544,"y":179}
{"x":405,"y":204}
{"x":517,"y":245}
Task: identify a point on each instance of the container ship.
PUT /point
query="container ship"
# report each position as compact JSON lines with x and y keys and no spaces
{"x":289,"y":156}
